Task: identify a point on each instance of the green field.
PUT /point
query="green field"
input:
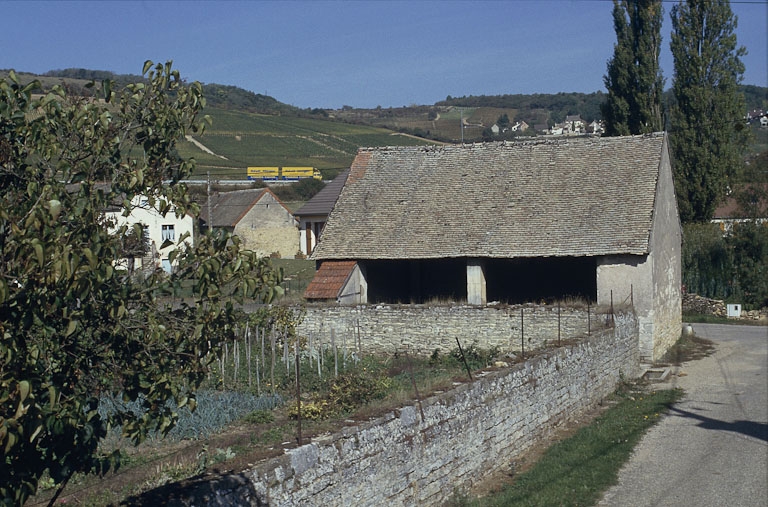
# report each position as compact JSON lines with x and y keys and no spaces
{"x":447,"y":125}
{"x":249,"y":139}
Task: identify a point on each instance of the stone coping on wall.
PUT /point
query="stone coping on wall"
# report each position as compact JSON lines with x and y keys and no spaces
{"x":422,"y":454}
{"x":422,"y":329}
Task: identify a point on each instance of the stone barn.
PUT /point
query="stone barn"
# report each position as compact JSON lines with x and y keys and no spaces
{"x":511,"y":222}
{"x":258,"y":216}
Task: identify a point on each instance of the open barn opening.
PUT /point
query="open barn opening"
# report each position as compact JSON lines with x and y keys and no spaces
{"x":416,"y":281}
{"x":511,"y":281}
{"x":544,"y":279}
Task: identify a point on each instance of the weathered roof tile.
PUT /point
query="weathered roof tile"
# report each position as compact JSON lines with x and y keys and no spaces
{"x":564,"y":197}
{"x":329,"y":280}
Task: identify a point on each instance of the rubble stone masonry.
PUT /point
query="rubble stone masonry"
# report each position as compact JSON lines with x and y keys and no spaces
{"x":424,"y":454}
{"x":420,"y":329}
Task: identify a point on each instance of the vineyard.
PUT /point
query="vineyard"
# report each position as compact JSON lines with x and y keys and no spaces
{"x":241,"y":139}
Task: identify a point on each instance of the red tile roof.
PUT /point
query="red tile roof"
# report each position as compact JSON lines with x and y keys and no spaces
{"x":329,"y":279}
{"x":732,"y":208}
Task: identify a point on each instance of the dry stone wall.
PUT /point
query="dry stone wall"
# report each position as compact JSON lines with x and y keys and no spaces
{"x":693,"y":303}
{"x":406,"y":458}
{"x":420,"y":329}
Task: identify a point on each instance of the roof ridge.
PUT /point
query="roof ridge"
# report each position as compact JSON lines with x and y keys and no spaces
{"x":533,"y":141}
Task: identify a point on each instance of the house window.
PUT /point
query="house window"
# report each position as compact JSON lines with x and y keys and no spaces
{"x":169,"y":233}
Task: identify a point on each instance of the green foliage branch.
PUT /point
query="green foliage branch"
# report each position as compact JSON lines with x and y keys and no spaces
{"x":73,"y":328}
{"x":634,"y":81}
{"x":707,"y":133}
{"x":731,"y":266}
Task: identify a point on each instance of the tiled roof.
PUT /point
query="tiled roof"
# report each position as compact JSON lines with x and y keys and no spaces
{"x":329,"y":280}
{"x":228,"y":208}
{"x":322,"y":203}
{"x":731,"y":207}
{"x":564,"y":197}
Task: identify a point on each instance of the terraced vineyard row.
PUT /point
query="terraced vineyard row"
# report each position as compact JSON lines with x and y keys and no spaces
{"x":241,"y":139}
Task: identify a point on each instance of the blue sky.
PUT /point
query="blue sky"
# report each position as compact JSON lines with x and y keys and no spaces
{"x":357,"y":53}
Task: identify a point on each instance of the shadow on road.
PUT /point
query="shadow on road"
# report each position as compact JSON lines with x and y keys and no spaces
{"x":748,"y":428}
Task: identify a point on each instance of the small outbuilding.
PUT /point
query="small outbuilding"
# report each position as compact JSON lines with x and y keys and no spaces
{"x":512,"y":222}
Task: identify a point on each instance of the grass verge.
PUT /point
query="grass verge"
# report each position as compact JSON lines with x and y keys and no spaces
{"x":577,"y":471}
{"x":697,"y":318}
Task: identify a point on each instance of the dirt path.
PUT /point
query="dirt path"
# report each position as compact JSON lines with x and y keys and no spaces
{"x":203,"y":147}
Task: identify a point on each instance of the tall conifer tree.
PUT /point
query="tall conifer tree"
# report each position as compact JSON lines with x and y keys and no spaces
{"x":634,"y":79}
{"x":707,"y":132}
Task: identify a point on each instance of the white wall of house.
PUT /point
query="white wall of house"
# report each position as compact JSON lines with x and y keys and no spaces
{"x":355,"y":291}
{"x":624,"y":280}
{"x":666,"y":252}
{"x":310,"y":227}
{"x":159,"y":228}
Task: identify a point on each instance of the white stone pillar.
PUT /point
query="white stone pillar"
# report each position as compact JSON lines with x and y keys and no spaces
{"x":476,"y":292}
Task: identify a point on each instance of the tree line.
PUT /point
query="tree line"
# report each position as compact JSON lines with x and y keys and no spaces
{"x":708,"y":135}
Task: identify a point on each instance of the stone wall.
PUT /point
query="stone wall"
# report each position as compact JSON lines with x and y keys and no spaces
{"x":420,"y":329}
{"x":424,"y":454}
{"x":695,"y":304}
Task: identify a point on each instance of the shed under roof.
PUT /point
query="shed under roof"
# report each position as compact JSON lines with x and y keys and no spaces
{"x":329,"y":280}
{"x":552,"y":197}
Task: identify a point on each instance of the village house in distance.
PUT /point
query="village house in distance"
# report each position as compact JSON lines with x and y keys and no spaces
{"x":158,"y":231}
{"x":257,"y":216}
{"x":510,"y":222}
{"x":313,"y":215}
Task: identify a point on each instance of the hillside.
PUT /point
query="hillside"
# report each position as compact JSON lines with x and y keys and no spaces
{"x":251,"y":129}
{"x":241,"y":139}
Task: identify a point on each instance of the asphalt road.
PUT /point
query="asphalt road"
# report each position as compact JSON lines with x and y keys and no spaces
{"x":712,"y":448}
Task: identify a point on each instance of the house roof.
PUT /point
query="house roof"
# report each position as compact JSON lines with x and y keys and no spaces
{"x":329,"y":280}
{"x":322,"y":203}
{"x":228,"y":208}
{"x":564,"y":197}
{"x":731,"y":208}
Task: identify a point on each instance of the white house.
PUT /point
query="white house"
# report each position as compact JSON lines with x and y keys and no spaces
{"x":158,"y":229}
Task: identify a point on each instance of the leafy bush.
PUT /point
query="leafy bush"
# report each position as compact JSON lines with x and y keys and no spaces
{"x":313,"y":410}
{"x":727,"y":266}
{"x":345,"y":393}
{"x":259,"y":417}
{"x":476,"y":357}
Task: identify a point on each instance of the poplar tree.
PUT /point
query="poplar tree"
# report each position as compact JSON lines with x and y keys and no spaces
{"x":707,"y":134}
{"x":634,"y":79}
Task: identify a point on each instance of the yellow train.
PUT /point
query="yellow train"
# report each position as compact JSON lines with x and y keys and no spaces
{"x":283,"y":173}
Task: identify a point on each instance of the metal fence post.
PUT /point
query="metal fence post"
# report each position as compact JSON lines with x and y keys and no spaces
{"x":522,"y":332}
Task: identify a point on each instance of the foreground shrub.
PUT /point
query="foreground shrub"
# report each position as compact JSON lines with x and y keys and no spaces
{"x":215,"y":410}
